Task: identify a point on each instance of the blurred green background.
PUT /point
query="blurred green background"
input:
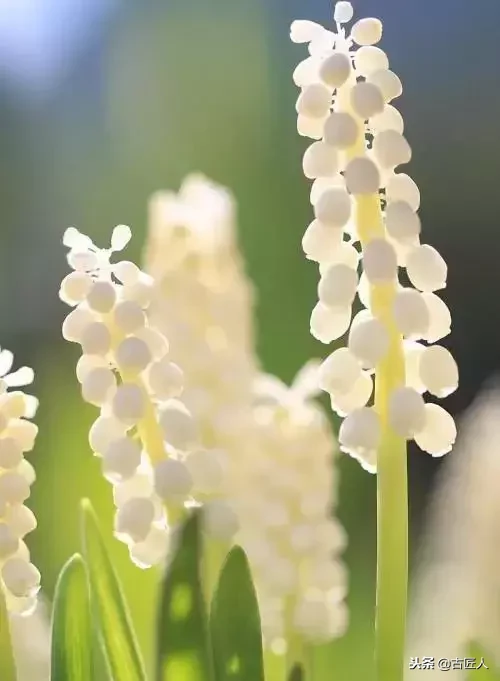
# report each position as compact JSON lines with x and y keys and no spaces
{"x":103,"y":102}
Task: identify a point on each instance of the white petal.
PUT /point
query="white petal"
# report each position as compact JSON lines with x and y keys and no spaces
{"x":120,"y":237}
{"x":367,"y":31}
{"x":6,"y":362}
{"x":339,"y":372}
{"x":438,"y":371}
{"x":369,"y":59}
{"x":426,"y":268}
{"x":21,"y":377}
{"x":320,"y":240}
{"x":356,"y":398}
{"x":360,"y":434}
{"x":303,"y":31}
{"x":328,"y":324}
{"x":411,"y":313}
{"x":335,"y":69}
{"x":439,"y":318}
{"x":406,"y":412}
{"x":344,"y":12}
{"x":439,"y":433}
{"x":72,"y":238}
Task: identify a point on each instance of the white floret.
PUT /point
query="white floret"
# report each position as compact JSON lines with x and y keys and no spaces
{"x":314,"y":101}
{"x":411,"y":313}
{"x":367,"y":100}
{"x":426,"y":269}
{"x":328,"y":324}
{"x":341,"y":130}
{"x":172,"y":479}
{"x":406,"y":412}
{"x":438,"y":371}
{"x":367,"y":31}
{"x":129,"y":404}
{"x":369,"y":59}
{"x":338,"y":286}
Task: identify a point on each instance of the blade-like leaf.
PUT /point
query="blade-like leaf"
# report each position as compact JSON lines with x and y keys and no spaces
{"x":7,"y":663}
{"x":235,"y":623}
{"x":184,"y":652}
{"x":483,"y":668}
{"x":72,"y":625}
{"x":108,"y":605}
{"x":297,"y":673}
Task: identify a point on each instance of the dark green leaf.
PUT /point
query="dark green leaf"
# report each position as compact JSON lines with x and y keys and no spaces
{"x":71,"y":625}
{"x":184,"y":652}
{"x":7,"y":664}
{"x":235,"y":623}
{"x":109,"y":606}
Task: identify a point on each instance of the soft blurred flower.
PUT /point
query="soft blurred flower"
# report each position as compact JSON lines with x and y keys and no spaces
{"x":19,"y":578}
{"x":366,"y":214}
{"x":292,"y":540}
{"x":276,"y":444}
{"x":457,"y":587}
{"x":31,"y":643}
{"x":203,"y":302}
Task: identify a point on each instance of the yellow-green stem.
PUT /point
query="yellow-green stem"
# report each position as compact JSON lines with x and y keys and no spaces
{"x":392,"y":483}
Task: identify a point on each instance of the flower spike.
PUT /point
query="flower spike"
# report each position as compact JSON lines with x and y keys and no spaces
{"x":366,"y":231}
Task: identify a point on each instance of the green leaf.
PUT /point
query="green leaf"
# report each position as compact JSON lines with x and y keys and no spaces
{"x":72,"y":635}
{"x":7,"y":663}
{"x":297,"y":673}
{"x":108,"y":605}
{"x":184,"y":652}
{"x":478,"y":654}
{"x":235,"y":623}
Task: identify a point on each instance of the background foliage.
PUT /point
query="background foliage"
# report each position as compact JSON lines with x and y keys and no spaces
{"x":121,"y":98}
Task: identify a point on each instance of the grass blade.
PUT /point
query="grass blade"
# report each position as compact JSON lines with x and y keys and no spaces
{"x":7,"y":663}
{"x":235,"y":623}
{"x":184,"y":652}
{"x":108,"y":604}
{"x":72,"y":625}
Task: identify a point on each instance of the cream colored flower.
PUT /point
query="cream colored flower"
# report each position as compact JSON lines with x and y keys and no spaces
{"x":269,"y":472}
{"x":19,"y":578}
{"x":457,"y":586}
{"x":366,"y":213}
{"x":144,"y":433}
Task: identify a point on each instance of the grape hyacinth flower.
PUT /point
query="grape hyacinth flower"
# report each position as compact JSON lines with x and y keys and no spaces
{"x":288,"y":531}
{"x":366,"y":219}
{"x":276,"y":443}
{"x":144,"y":433}
{"x":203,"y":301}
{"x":19,"y":578}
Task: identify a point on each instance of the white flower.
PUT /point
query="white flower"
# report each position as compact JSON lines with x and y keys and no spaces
{"x":124,"y":370}
{"x":286,"y":527}
{"x":366,"y":213}
{"x":19,"y":579}
{"x":250,"y":435}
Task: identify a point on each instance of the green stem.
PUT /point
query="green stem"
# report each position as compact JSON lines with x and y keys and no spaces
{"x":392,"y":558}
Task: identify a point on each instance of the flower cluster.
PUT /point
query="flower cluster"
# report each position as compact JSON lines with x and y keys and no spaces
{"x":203,"y":302}
{"x":282,"y":494}
{"x":288,"y":531}
{"x":19,"y":578}
{"x":366,"y":214}
{"x":147,"y":438}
